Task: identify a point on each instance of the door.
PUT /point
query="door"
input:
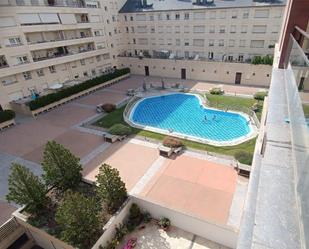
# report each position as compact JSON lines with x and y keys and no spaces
{"x":146,"y":71}
{"x":183,"y":74}
{"x":238,"y":78}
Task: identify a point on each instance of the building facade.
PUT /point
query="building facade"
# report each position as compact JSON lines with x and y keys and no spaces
{"x":222,"y":31}
{"x":48,"y":42}
{"x":45,"y":42}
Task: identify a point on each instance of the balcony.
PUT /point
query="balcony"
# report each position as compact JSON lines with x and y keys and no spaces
{"x":54,"y":3}
{"x":60,"y":52}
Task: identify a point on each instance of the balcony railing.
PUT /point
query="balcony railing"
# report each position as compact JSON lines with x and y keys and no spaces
{"x":51,"y":3}
{"x":57,"y":55}
{"x":58,"y":39}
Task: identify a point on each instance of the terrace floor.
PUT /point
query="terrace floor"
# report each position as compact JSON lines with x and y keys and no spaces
{"x":151,"y":237}
{"x":137,"y":162}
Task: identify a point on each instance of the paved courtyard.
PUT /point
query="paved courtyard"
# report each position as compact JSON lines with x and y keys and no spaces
{"x":143,"y":171}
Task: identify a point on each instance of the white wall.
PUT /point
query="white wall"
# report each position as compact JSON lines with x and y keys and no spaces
{"x":218,"y":233}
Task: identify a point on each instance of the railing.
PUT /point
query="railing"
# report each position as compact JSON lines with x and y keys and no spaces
{"x":58,"y":39}
{"x":130,"y":104}
{"x":50,"y":3}
{"x":8,"y":228}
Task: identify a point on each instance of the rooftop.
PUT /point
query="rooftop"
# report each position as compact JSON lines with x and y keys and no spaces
{"x":165,"y":5}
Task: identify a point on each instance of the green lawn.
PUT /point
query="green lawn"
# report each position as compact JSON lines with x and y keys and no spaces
{"x":306,"y":110}
{"x":223,"y":101}
{"x":117,"y":117}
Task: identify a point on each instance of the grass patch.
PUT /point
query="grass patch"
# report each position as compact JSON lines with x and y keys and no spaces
{"x":223,"y":101}
{"x":306,"y":110}
{"x":117,"y":117}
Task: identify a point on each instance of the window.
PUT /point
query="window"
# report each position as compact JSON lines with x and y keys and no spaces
{"x":210,"y":55}
{"x":177,"y":16}
{"x":93,"y":72}
{"x":222,"y":14}
{"x":186,"y":43}
{"x":212,"y":29}
{"x":259,"y":29}
{"x":22,"y":59}
{"x":152,"y":30}
{"x":98,"y":33}
{"x":277,"y":13}
{"x":134,"y":41}
{"x":151,"y":17}
{"x":52,"y":69}
{"x":261,"y":13}
{"x":85,"y":74}
{"x":198,"y":42}
{"x":141,"y":29}
{"x":275,"y":29}
{"x":82,"y":62}
{"x":212,"y":15}
{"x":132,"y":29}
{"x":131,"y":18}
{"x":27,"y":75}
{"x":177,"y":29}
{"x":199,"y":15}
{"x":125,"y":18}
{"x":114,"y":18}
{"x":244,"y":29}
{"x":40,"y":72}
{"x":98,"y":58}
{"x":169,"y":42}
{"x":161,"y":41}
{"x":160,"y":29}
{"x":222,"y":29}
{"x":242,"y":43}
{"x":15,"y":41}
{"x":167,"y":16}
{"x":211,"y":43}
{"x":233,"y":29}
{"x":234,"y":14}
{"x":140,"y":17}
{"x":231,"y":43}
{"x":127,"y":29}
{"x":240,"y":58}
{"x":142,"y":41}
{"x":221,"y":43}
{"x":177,"y":42}
{"x":168,"y":29}
{"x":199,"y":29}
{"x":245,"y":14}
{"x":257,"y":44}
{"x":186,"y":29}
{"x":105,"y":8}
{"x":187,"y":16}
{"x":159,"y":17}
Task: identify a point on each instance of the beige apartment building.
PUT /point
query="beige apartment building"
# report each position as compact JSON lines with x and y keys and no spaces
{"x":47,"y":42}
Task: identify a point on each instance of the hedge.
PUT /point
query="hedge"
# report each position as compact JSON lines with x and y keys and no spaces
{"x":244,"y":157}
{"x":172,"y":142}
{"x":67,"y":92}
{"x":120,"y":130}
{"x":260,"y":95}
{"x":6,"y":115}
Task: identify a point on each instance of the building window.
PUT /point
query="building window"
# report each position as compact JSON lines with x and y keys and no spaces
{"x":245,"y":14}
{"x":159,"y":17}
{"x":186,"y":43}
{"x":233,"y":29}
{"x":211,"y":43}
{"x":125,"y":18}
{"x":131,"y":18}
{"x":259,"y":29}
{"x":223,"y":14}
{"x":177,"y":42}
{"x":240,"y":58}
{"x":85,"y":74}
{"x":27,"y":75}
{"x":152,"y":30}
{"x":257,"y":44}
{"x":222,"y":29}
{"x":242,"y":43}
{"x":52,"y":69}
{"x":210,"y":55}
{"x":212,"y":29}
{"x":105,"y":8}
{"x":98,"y":58}
{"x":187,"y":16}
{"x":40,"y":72}
{"x":234,"y":14}
{"x":261,"y":13}
{"x":22,"y":59}
{"x":221,"y":43}
{"x":244,"y":29}
{"x":177,"y":29}
{"x":177,"y":16}
{"x":213,"y":15}
{"x":134,"y":41}
{"x":151,"y":18}
{"x":82,"y":62}
{"x":231,"y":43}
{"x":15,"y":41}
{"x":167,"y":16}
{"x":132,"y":29}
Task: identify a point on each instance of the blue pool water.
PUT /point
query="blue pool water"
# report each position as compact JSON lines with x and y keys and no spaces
{"x":184,"y":114}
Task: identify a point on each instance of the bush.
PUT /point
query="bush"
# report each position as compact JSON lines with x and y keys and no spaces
{"x":216,"y":91}
{"x":260,"y":95}
{"x":120,"y":130}
{"x":172,"y":142}
{"x":266,"y":60}
{"x":67,"y":92}
{"x":6,"y":115}
{"x":164,"y":223}
{"x":135,"y":217}
{"x":244,"y":157}
{"x":257,"y":107}
{"x":108,"y":107}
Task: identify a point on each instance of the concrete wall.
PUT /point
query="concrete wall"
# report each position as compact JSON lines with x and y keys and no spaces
{"x":221,"y":72}
{"x":218,"y":233}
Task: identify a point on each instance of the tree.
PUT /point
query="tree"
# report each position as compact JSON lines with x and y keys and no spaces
{"x":25,"y":188}
{"x":110,"y":187}
{"x":78,"y":218}
{"x":61,"y":168}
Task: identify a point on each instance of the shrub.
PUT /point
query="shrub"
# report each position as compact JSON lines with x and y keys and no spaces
{"x":216,"y":91}
{"x":260,"y":95}
{"x":135,"y":217}
{"x":257,"y":107}
{"x":6,"y":115}
{"x":67,"y":92}
{"x":164,"y":223}
{"x":108,"y":107}
{"x":120,"y":130}
{"x":266,"y":60}
{"x":244,"y":157}
{"x":172,"y":142}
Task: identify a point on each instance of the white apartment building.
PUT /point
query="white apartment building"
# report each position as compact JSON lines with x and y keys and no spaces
{"x":212,"y":30}
{"x":45,"y":42}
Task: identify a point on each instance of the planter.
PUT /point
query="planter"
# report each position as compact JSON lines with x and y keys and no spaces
{"x":7,"y":124}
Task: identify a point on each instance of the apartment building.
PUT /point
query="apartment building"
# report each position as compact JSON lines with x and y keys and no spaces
{"x":45,"y":42}
{"x":217,"y":30}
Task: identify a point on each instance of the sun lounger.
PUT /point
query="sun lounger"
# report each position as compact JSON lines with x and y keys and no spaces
{"x":177,"y":150}
{"x":110,"y":138}
{"x":165,"y":151}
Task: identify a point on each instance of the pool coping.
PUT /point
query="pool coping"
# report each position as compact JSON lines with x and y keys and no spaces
{"x":253,"y":129}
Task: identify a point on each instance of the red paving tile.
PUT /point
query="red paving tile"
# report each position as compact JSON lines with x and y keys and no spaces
{"x":194,"y":186}
{"x":131,"y":160}
{"x":5,"y":211}
{"x":102,"y":97}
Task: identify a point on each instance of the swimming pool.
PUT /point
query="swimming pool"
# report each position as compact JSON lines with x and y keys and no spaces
{"x":184,"y":115}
